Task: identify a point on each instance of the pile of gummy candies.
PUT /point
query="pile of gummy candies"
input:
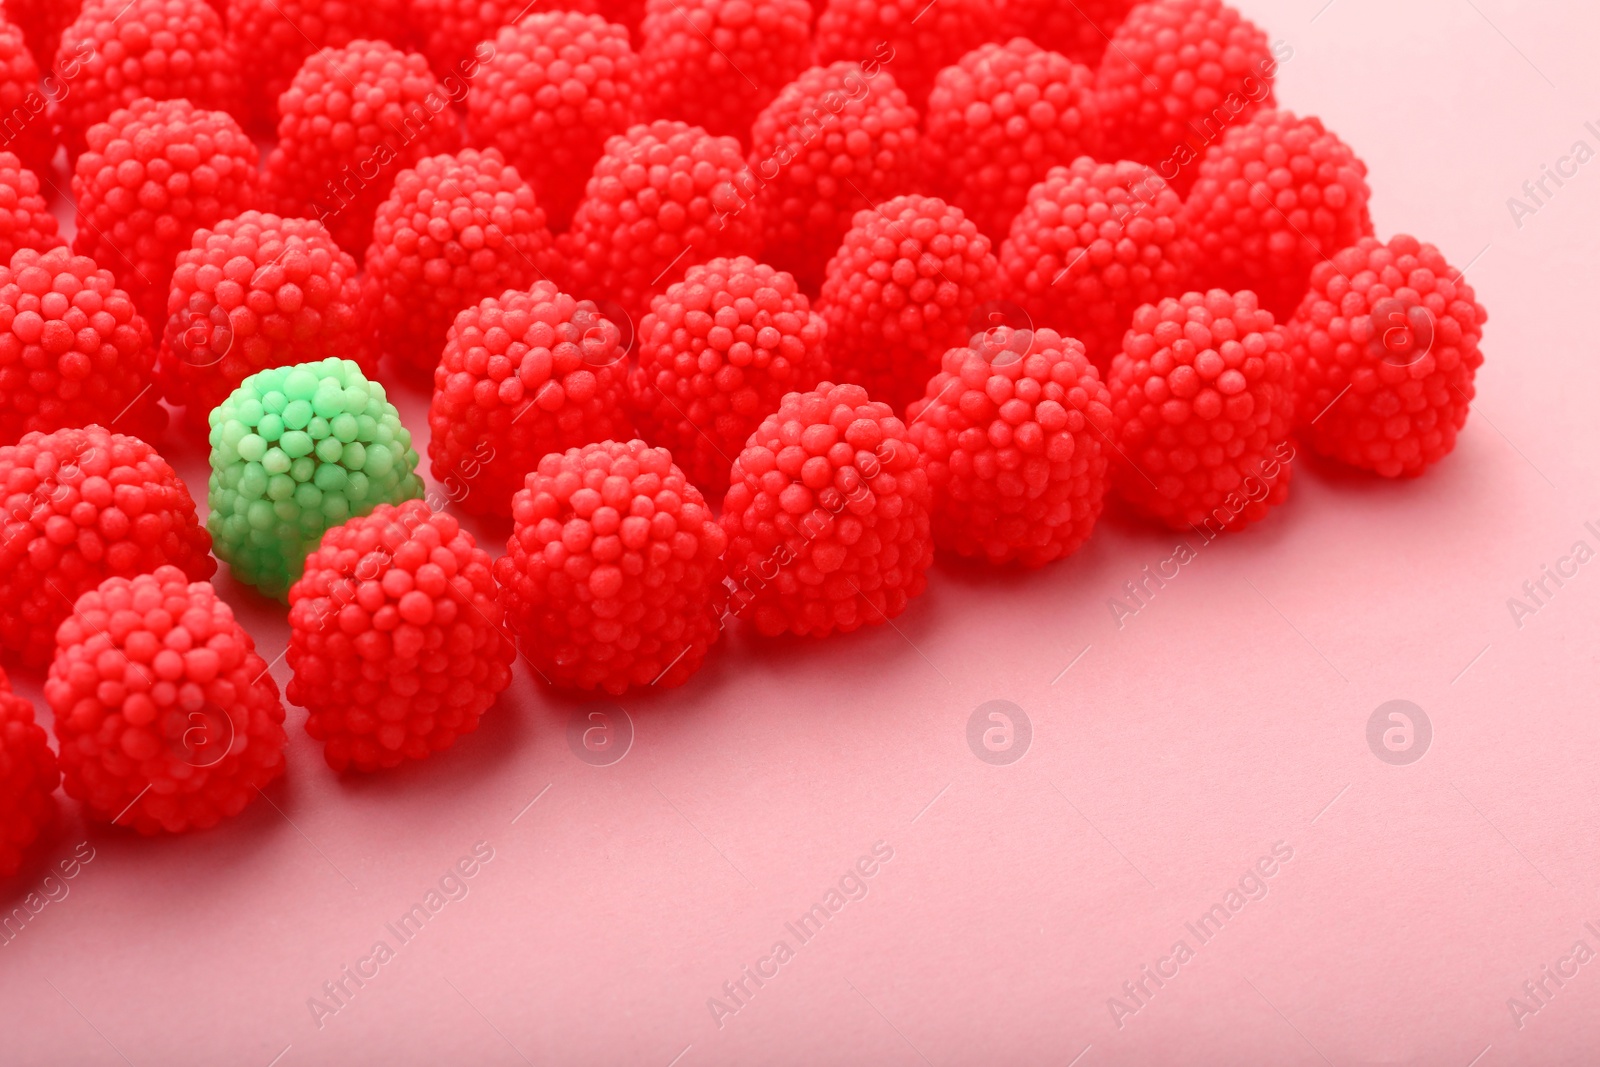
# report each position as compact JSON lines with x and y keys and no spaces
{"x":879,"y":279}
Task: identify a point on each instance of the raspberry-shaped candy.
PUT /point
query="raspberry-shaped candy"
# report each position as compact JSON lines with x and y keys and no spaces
{"x":41,"y":23}
{"x":80,"y":506}
{"x":902,"y":288}
{"x":662,"y":197}
{"x":613,"y":576}
{"x":29,"y":775}
{"x":717,"y":352}
{"x":167,"y":718}
{"x":1203,"y":398}
{"x":827,"y":516}
{"x":559,"y":85}
{"x":156,"y":49}
{"x":152,"y":175}
{"x":451,"y":30}
{"x":1078,"y":30}
{"x":999,"y":120}
{"x":295,"y":450}
{"x":1014,"y":431}
{"x":1093,"y":242}
{"x":25,"y":123}
{"x":274,"y":37}
{"x":73,"y":350}
{"x":1176,"y":74}
{"x":350,"y":122}
{"x":454,"y":230}
{"x":1275,"y":197}
{"x":1385,"y":348}
{"x":915,"y":38}
{"x":253,"y":292}
{"x":522,"y":375}
{"x":836,"y":140}
{"x":716,"y":63}
{"x":394,"y":637}
{"x":26,"y":220}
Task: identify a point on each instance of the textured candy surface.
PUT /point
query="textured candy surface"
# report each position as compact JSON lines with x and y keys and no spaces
{"x":1385,"y":349}
{"x":133,"y":49}
{"x":253,"y":292}
{"x":836,"y":140}
{"x":1094,"y":241}
{"x":1176,"y":74}
{"x":1078,"y":30}
{"x":349,"y":123}
{"x":717,"y":63}
{"x":523,"y":374}
{"x":1272,"y":199}
{"x":917,"y":38}
{"x":998,"y":120}
{"x":613,"y":577}
{"x":152,"y":175}
{"x":73,"y":350}
{"x":167,"y":719}
{"x":80,"y":506}
{"x":1203,"y":398}
{"x":717,"y":352}
{"x":661,"y":198}
{"x":559,"y":85}
{"x":295,"y":450}
{"x":26,"y":125}
{"x":454,"y":230}
{"x":42,"y":22}
{"x":26,"y":220}
{"x":451,"y":30}
{"x":903,"y":287}
{"x":827,"y":516}
{"x":29,"y":774}
{"x":1014,"y":431}
{"x":395,"y":638}
{"x":274,"y":37}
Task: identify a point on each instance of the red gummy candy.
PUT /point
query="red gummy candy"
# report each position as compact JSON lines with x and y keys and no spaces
{"x":827,"y":516}
{"x":559,"y":85}
{"x":1272,"y":199}
{"x":29,"y":775}
{"x":26,"y":220}
{"x":1014,"y":430}
{"x":1078,"y":29}
{"x":717,"y":63}
{"x":152,"y":175}
{"x":80,"y":506}
{"x":1203,"y":398}
{"x":168,"y":720}
{"x":904,"y":286}
{"x":836,"y":140}
{"x":335,"y":161}
{"x":914,"y":38}
{"x":717,"y":352}
{"x":452,"y":30}
{"x":1385,"y":348}
{"x":613,"y":576}
{"x":395,"y":638}
{"x":454,"y":230}
{"x":998,"y":120}
{"x":73,"y":349}
{"x":26,"y":126}
{"x":522,"y":375}
{"x":42,"y":22}
{"x":254,"y":292}
{"x":1095,"y":241}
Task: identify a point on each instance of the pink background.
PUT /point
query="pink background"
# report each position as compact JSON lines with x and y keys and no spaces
{"x":1228,"y":715}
